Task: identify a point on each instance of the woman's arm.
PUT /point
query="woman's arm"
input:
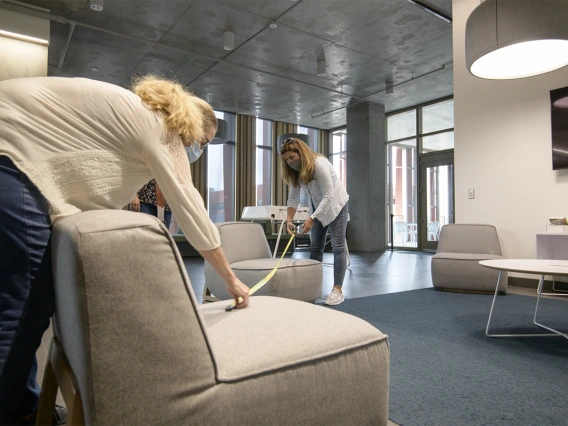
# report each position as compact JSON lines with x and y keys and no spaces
{"x":219,"y":262}
{"x":292,"y":204}
{"x":170,"y":167}
{"x":325,"y":182}
{"x":291,"y":212}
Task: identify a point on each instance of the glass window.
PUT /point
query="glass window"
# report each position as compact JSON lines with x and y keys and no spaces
{"x":313,"y":134}
{"x":401,"y":125}
{"x":339,"y":154}
{"x":221,"y":175}
{"x":438,"y":117}
{"x":263,"y":162}
{"x":438,"y":142}
{"x":402,"y":194}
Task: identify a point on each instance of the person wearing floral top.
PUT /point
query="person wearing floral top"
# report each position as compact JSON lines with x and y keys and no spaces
{"x":148,"y":199}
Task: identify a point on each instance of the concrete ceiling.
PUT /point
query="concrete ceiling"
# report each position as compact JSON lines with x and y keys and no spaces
{"x":271,"y":73}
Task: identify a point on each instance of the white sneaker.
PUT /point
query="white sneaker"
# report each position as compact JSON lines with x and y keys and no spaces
{"x":334,"y":298}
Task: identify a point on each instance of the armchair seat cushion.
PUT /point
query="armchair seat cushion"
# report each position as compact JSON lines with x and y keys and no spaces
{"x":298,"y":279}
{"x":274,"y":333}
{"x":293,"y":367}
{"x":462,"y":271}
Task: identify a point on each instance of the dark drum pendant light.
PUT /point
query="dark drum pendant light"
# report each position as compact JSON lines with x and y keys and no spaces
{"x":506,"y":39}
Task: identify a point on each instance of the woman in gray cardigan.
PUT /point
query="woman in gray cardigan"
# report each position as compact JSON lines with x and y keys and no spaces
{"x":306,"y":169}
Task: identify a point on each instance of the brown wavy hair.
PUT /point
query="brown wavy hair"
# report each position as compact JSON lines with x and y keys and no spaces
{"x":184,"y":113}
{"x":307,"y":159}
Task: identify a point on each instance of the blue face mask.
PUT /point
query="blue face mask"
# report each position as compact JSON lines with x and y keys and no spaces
{"x":194,"y":152}
{"x":296,"y":165}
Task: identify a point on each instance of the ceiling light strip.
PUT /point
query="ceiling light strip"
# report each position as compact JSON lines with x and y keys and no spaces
{"x":24,"y":37}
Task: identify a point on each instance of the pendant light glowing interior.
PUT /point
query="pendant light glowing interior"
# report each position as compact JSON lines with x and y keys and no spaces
{"x":522,"y":60}
{"x":507,"y":39}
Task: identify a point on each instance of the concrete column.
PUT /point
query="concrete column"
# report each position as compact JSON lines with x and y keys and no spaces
{"x":366,"y":177}
{"x":23,"y":43}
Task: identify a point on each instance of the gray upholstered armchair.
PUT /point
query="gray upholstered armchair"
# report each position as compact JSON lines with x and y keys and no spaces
{"x":248,"y":253}
{"x":141,"y":351}
{"x":456,"y":267}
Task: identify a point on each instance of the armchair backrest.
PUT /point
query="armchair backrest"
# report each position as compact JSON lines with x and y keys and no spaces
{"x":243,"y":241}
{"x":127,"y":317}
{"x":469,"y":238}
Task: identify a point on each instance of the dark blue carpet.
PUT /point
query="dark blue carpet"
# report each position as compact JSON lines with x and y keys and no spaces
{"x":445,"y":371}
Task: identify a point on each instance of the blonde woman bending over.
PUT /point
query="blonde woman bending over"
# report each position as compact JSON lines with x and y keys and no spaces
{"x":68,"y":145}
{"x":306,"y":169}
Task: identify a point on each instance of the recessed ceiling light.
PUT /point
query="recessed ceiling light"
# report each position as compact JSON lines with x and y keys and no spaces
{"x":321,"y":68}
{"x":228,"y":40}
{"x":97,"y":5}
{"x":273,"y":24}
{"x":94,"y":69}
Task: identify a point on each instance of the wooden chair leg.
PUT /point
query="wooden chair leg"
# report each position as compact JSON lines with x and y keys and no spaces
{"x":75,"y":416}
{"x":48,"y":393}
{"x":58,"y":374}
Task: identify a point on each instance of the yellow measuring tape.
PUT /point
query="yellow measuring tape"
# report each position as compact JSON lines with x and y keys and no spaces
{"x":263,"y":281}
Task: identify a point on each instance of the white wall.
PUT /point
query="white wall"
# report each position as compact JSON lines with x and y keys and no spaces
{"x":503,"y":150}
{"x":22,"y":58}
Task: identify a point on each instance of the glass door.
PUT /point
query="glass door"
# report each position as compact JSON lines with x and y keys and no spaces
{"x":436,"y":197}
{"x":401,"y":184}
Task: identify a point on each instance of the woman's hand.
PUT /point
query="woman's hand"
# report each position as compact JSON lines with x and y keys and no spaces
{"x":290,"y":228}
{"x":308,"y":224}
{"x":135,"y":204}
{"x":239,"y":291}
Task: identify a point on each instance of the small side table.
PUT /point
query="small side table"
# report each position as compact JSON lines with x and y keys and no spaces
{"x":540,"y":267}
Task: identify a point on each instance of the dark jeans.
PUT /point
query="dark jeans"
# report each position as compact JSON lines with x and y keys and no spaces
{"x":26,"y":289}
{"x":153,"y":210}
{"x":337,"y":229}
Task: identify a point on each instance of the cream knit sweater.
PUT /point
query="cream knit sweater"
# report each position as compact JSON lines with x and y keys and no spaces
{"x":90,"y":145}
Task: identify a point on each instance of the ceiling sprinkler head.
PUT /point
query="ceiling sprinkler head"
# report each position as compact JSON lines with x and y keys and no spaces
{"x":390,"y":88}
{"x":94,"y":69}
{"x":97,"y":5}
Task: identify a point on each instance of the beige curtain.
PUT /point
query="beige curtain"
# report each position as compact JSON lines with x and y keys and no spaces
{"x":245,"y":183}
{"x":280,"y":188}
{"x":323,"y":143}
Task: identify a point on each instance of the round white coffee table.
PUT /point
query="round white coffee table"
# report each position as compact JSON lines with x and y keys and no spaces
{"x":540,"y":267}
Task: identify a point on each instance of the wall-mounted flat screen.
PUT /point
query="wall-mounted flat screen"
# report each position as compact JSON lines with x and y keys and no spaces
{"x":559,"y":124}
